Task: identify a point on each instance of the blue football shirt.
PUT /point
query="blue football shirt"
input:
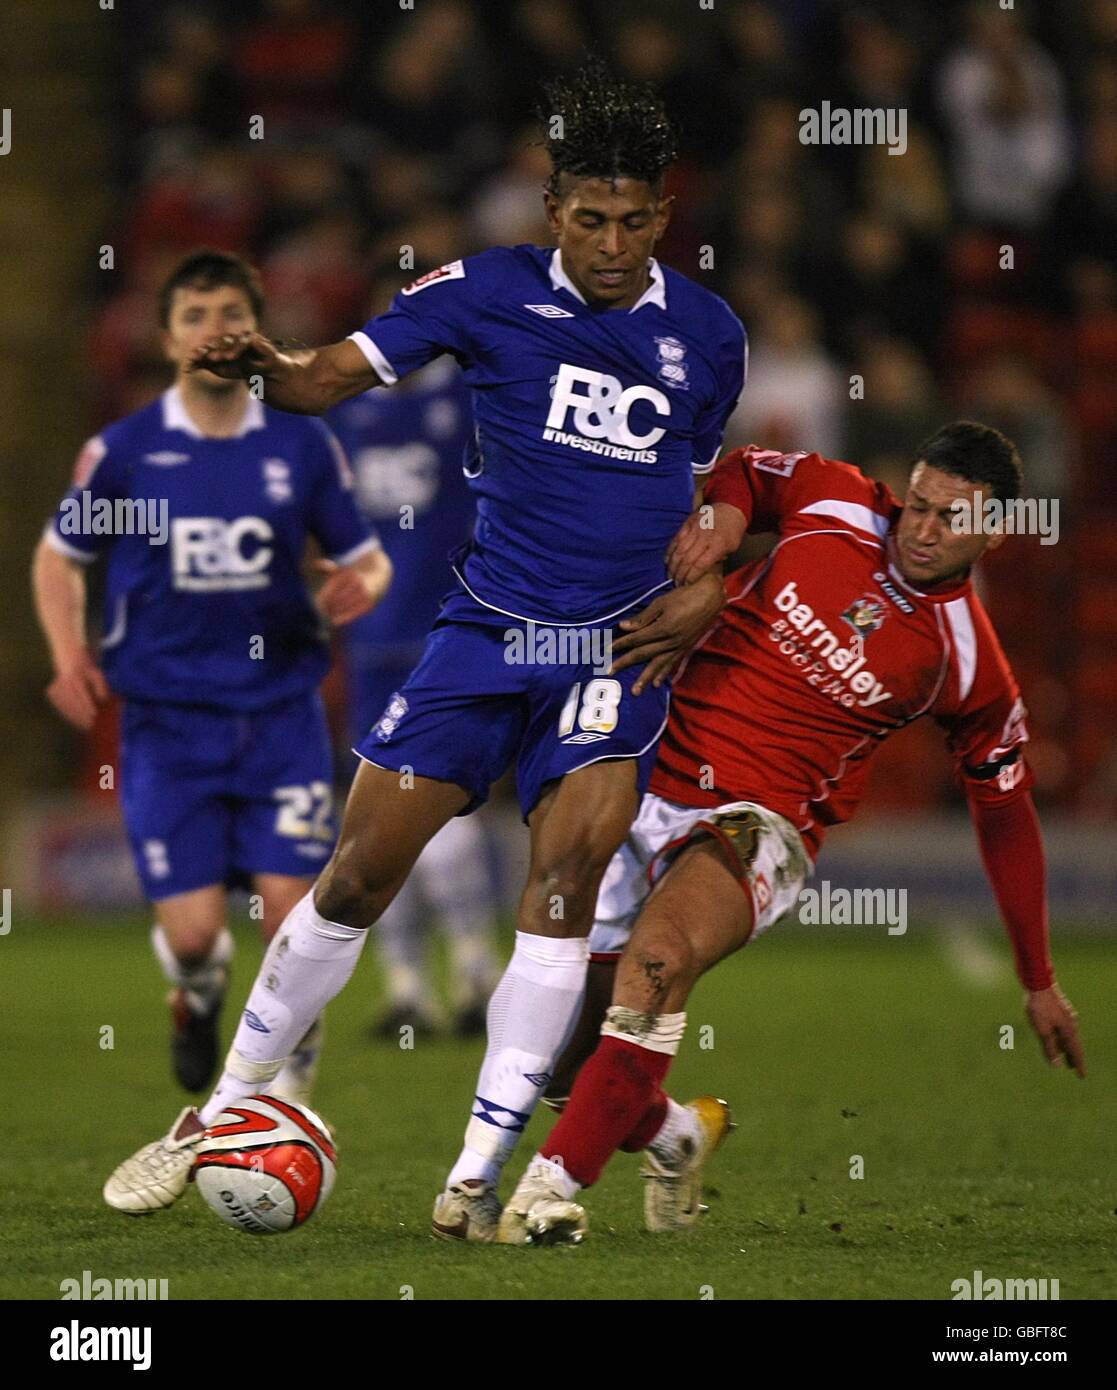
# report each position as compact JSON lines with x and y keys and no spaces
{"x":588,"y":424}
{"x":405,"y":445}
{"x":205,"y":600}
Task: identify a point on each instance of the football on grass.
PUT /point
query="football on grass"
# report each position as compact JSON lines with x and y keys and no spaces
{"x":266,"y":1165}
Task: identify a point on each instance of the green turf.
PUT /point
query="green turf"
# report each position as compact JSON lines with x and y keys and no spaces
{"x":975,"y":1157}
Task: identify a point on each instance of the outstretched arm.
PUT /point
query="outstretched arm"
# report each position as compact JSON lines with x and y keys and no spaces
{"x":1012,"y":849}
{"x":304,"y":381}
{"x":78,"y":687}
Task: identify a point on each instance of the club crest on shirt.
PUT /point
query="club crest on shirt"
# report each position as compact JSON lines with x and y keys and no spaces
{"x":672,"y":368}
{"x":277,"y":479}
{"x":865,"y":615}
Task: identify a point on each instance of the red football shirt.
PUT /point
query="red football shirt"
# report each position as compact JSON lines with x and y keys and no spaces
{"x":823,"y":650}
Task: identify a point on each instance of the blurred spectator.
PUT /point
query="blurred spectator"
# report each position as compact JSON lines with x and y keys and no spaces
{"x":879,"y":282}
{"x":1084,"y":221}
{"x":910,"y":192}
{"x":795,"y":391}
{"x":508,"y":210}
{"x":1005,"y":391}
{"x":899,"y":409}
{"x":1001,"y":97}
{"x":291,"y":65}
{"x":303,"y":180}
{"x":212,"y":201}
{"x":315,"y":280}
{"x":169,"y":114}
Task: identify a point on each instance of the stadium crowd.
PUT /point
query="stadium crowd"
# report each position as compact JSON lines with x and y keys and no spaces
{"x":323,"y":138}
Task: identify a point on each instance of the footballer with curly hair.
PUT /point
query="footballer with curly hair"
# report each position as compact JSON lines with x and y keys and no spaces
{"x":601,"y":385}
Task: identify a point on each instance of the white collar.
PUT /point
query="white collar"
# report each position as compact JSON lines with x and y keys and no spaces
{"x":176,"y":418}
{"x":656,"y":293}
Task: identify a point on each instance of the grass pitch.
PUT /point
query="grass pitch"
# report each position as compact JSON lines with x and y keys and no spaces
{"x":975,"y":1157}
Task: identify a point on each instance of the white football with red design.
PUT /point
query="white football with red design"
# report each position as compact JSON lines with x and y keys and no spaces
{"x":266,"y":1165}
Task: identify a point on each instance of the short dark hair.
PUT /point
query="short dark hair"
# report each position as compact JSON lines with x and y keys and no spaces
{"x":207,"y":270}
{"x":977,"y":453}
{"x":611,"y":129}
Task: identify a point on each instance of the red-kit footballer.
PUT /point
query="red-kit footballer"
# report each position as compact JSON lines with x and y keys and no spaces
{"x":862,"y":619}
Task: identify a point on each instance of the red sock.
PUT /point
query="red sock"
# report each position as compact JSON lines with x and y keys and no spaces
{"x":648,"y":1125}
{"x":611,"y":1096}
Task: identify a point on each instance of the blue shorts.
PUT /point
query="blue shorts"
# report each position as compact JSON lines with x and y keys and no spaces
{"x":211,"y":796}
{"x":491,"y":690}
{"x":372,"y":678}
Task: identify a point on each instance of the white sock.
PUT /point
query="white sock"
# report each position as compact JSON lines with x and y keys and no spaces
{"x":454,"y":872}
{"x":677,"y":1137}
{"x":555,"y":1175}
{"x":309,"y":961}
{"x":299,"y":1071}
{"x":531,"y":1017}
{"x":401,"y":938}
{"x":205,"y":982}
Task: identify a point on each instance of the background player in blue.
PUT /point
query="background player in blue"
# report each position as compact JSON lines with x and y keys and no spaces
{"x":203,"y":502}
{"x":405,"y":445}
{"x":601,"y":383}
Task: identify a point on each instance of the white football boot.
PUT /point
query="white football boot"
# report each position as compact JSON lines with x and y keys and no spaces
{"x":673,"y":1194}
{"x":538,"y":1213}
{"x":156,"y":1175}
{"x":469,"y":1210}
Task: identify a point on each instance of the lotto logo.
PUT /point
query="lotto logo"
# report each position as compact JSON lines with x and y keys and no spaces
{"x":209,"y":554}
{"x":601,"y":409}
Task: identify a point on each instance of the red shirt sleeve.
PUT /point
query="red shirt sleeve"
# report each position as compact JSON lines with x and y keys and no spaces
{"x":769,"y":488}
{"x":981,"y":710}
{"x":1012,"y":850}
{"x":986,"y":724}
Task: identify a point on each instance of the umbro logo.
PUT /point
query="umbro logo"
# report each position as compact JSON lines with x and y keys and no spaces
{"x":585,"y":738}
{"x":165,"y":458}
{"x":549,"y":311}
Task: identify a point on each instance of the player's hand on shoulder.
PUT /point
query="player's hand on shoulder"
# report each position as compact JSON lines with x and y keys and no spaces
{"x":79,"y":688}
{"x":236,"y":356}
{"x":707,"y":537}
{"x":1052,"y":1016}
{"x":663,"y":633}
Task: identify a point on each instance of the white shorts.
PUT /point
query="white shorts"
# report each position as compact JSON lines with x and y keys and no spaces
{"x":762,"y":848}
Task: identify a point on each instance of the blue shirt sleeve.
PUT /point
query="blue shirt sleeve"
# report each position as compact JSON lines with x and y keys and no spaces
{"x":732,"y":369}
{"x":84,"y":523}
{"x":334,"y":519}
{"x":428,"y":318}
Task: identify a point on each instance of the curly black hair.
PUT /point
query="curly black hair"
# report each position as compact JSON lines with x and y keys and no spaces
{"x":610,"y":128}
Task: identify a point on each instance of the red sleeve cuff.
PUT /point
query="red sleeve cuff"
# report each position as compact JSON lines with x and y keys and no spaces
{"x":1011,"y":845}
